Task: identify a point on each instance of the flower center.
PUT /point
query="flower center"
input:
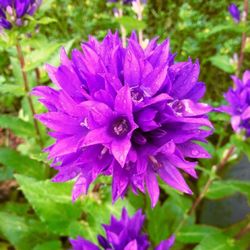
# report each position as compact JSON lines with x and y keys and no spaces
{"x":121,"y":126}
{"x":137,"y":95}
{"x":103,"y":242}
{"x":178,"y":106}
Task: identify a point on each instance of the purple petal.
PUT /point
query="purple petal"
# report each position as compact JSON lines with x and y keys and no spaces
{"x":97,"y":136}
{"x":120,"y":149}
{"x":166,"y":244}
{"x":173,"y":178}
{"x":123,"y":101}
{"x":132,"y":70}
{"x":152,"y":186}
{"x":132,"y":245}
{"x":82,"y":244}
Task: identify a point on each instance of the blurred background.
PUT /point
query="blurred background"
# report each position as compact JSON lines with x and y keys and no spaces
{"x":37,"y":214}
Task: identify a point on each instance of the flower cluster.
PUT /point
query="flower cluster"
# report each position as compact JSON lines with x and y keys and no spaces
{"x":234,"y":12}
{"x":130,"y":113}
{"x":12,"y":12}
{"x":125,"y":233}
{"x":238,"y":99}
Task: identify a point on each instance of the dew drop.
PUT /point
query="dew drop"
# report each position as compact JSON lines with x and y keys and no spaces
{"x":195,"y":152}
{"x":84,"y":123}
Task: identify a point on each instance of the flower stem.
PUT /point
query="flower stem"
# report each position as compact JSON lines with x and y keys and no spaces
{"x":242,"y":232}
{"x":209,"y":182}
{"x":215,"y":169}
{"x":243,"y":39}
{"x":27,"y":90}
{"x":139,"y":16}
{"x":123,"y":30}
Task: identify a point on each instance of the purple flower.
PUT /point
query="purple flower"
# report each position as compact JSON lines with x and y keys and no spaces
{"x":234,"y":12}
{"x":129,"y":113}
{"x":12,"y":12}
{"x":123,"y":234}
{"x":238,"y":99}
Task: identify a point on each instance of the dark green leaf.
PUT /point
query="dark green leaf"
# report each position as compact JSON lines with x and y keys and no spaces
{"x":19,"y":127}
{"x":11,"y":89}
{"x":55,"y":245}
{"x":195,"y":233}
{"x":223,"y":63}
{"x":217,"y":241}
{"x":21,"y":164}
{"x":52,"y":202}
{"x":221,"y":189}
{"x":131,"y":23}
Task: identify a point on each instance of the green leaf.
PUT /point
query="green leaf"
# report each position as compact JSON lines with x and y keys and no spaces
{"x":19,"y":127}
{"x":131,"y":23}
{"x":52,"y":203}
{"x":222,"y":62}
{"x":221,"y":189}
{"x":46,"y":20}
{"x":5,"y":174}
{"x":38,"y":57}
{"x":15,"y":208}
{"x":11,"y":89}
{"x":168,"y":216}
{"x":21,"y":164}
{"x":16,"y":69}
{"x":217,"y":241}
{"x":55,"y":245}
{"x":195,"y":233}
{"x":232,"y":27}
{"x":22,"y":232}
{"x":47,"y":5}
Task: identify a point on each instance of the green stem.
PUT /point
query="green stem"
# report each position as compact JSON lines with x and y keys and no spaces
{"x":209,"y":182}
{"x":243,"y":39}
{"x":27,"y":90}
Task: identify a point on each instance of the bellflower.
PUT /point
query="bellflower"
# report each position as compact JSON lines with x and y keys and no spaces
{"x":238,"y":108}
{"x":12,"y":12}
{"x":123,"y":234}
{"x":234,"y":12}
{"x":130,"y":113}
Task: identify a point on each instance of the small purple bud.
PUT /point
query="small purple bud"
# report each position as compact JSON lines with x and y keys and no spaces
{"x":234,"y":12}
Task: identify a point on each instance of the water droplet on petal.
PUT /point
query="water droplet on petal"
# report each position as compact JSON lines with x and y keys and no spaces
{"x":85,"y":123}
{"x":195,"y":152}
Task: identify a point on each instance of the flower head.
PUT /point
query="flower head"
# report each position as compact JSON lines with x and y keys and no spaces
{"x":234,"y":12}
{"x":129,"y":113}
{"x":12,"y":12}
{"x":125,"y":233}
{"x":238,"y":99}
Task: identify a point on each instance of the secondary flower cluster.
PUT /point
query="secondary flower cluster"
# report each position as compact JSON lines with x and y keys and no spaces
{"x":238,"y":99}
{"x":234,"y":12}
{"x":130,"y":113}
{"x":12,"y":12}
{"x":123,"y":234}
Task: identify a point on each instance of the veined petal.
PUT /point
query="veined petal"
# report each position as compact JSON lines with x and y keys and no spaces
{"x":152,"y":186}
{"x":173,"y":178}
{"x":123,"y":101}
{"x":97,"y":136}
{"x":120,"y":149}
{"x":166,"y":244}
